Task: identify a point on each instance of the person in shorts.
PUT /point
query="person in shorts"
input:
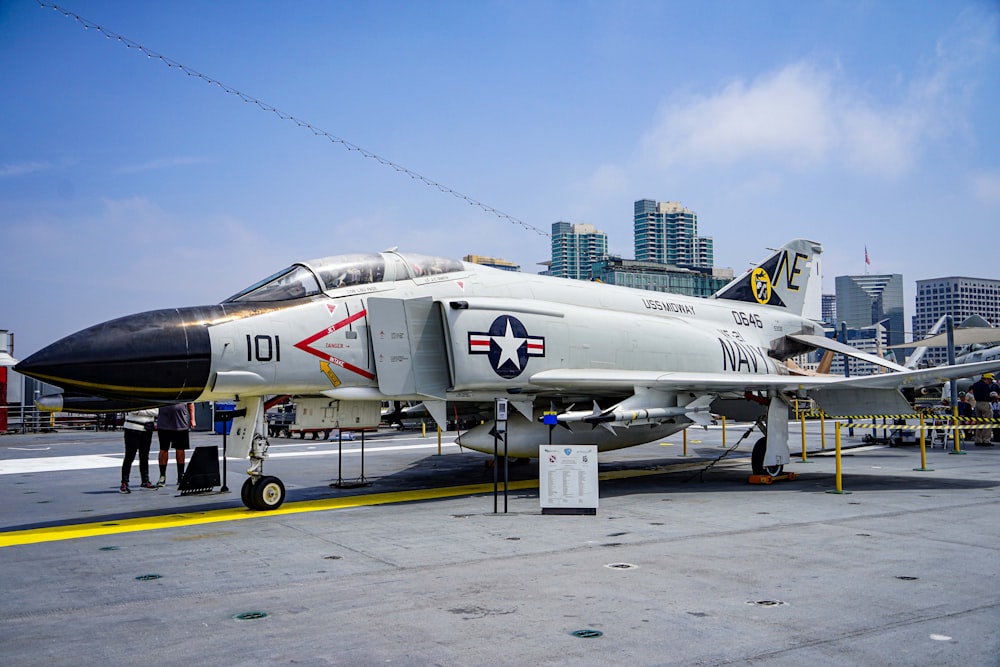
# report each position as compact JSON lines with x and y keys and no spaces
{"x":173,"y":429}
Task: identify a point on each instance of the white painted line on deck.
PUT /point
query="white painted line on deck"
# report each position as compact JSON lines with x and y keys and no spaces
{"x":95,"y":461}
{"x":54,"y":463}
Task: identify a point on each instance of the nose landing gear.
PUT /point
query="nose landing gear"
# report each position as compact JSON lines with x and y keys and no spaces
{"x":263,"y":493}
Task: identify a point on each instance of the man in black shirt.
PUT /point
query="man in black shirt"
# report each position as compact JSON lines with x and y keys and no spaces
{"x":981,"y":392}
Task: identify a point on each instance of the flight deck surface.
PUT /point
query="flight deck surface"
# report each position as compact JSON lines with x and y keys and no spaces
{"x":680,"y":566}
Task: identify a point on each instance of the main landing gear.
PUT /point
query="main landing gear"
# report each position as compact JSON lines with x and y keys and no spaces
{"x":757,"y":466}
{"x":775,"y":427}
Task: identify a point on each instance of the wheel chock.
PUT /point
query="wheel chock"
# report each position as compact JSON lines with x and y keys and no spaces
{"x":768,"y":479}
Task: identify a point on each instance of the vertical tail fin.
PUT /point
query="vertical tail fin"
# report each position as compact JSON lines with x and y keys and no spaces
{"x":789,"y":278}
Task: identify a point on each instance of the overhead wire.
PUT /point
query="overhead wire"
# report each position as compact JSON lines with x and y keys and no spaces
{"x":317,"y":131}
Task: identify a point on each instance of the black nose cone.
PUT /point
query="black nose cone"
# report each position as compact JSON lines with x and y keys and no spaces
{"x":162,"y":355}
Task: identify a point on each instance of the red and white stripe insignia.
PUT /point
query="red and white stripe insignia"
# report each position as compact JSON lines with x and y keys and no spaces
{"x":479,"y":342}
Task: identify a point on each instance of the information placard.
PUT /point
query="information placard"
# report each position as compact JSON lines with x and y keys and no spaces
{"x":567,"y":479}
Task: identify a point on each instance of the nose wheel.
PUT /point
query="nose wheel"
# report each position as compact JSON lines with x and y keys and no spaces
{"x":263,"y":493}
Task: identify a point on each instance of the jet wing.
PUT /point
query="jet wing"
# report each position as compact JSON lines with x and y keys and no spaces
{"x":837,"y":395}
{"x":598,"y":380}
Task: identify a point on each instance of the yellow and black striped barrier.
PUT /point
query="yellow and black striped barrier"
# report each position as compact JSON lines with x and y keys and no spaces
{"x":963,"y":425}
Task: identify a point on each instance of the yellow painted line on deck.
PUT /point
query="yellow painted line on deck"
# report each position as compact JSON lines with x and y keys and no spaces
{"x":158,"y":522}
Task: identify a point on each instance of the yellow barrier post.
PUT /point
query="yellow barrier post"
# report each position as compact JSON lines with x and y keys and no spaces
{"x":723,"y":431}
{"x":439,"y":440}
{"x":923,"y":447}
{"x":958,"y":433}
{"x":802,"y":423}
{"x":839,"y":474}
{"x":685,"y":443}
{"x":423,"y":429}
{"x":822,"y":430}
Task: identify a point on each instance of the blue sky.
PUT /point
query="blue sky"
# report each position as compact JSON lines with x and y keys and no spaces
{"x":126,"y":185}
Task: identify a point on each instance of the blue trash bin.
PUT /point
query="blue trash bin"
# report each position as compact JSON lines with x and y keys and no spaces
{"x":219,"y":424}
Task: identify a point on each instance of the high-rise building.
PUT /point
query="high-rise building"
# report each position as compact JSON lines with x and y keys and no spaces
{"x":660,"y":277}
{"x":575,"y":248}
{"x":829,"y":309}
{"x":872,"y":299}
{"x":667,"y":232}
{"x":959,"y":297}
{"x":494,"y":262}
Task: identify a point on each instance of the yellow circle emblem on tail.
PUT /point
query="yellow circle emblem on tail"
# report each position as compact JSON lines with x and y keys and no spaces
{"x":761,"y":285}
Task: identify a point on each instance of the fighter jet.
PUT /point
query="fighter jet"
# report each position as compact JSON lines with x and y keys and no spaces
{"x":618,"y":366}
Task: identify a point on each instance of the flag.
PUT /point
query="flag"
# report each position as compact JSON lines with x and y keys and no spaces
{"x":868,"y":262}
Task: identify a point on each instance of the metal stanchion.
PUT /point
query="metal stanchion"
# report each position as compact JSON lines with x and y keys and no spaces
{"x":802,"y":424}
{"x":923,"y":447}
{"x":958,"y":431}
{"x":839,"y":475}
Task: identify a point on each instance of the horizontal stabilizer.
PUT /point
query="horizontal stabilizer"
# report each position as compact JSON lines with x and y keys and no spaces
{"x":825,"y":343}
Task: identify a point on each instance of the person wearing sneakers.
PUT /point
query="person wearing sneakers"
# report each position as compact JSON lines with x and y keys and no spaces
{"x":173,"y":426}
{"x":138,"y":429}
{"x":984,"y":410}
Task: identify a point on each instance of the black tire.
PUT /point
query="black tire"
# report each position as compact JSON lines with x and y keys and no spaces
{"x":285,"y":433}
{"x":246,"y":493}
{"x":268,"y":494}
{"x":757,"y":460}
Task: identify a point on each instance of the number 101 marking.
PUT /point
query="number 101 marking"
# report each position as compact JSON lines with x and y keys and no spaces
{"x":263,"y":348}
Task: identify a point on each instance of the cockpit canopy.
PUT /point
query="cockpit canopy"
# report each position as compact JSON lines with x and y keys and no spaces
{"x":305,"y":279}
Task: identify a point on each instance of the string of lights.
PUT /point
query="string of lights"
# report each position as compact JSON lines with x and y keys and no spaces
{"x":264,"y":106}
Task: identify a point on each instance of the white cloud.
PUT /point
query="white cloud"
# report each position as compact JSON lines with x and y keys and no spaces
{"x":161,"y":163}
{"x":986,"y":187}
{"x":21,"y":168}
{"x":783,"y":115}
{"x":807,"y":116}
{"x":607,"y":180}
{"x":877,"y":141}
{"x":799,"y":115}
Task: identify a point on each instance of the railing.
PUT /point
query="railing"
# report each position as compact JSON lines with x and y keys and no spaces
{"x":29,"y":419}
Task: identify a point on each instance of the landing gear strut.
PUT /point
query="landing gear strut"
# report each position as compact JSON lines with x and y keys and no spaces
{"x":261,"y":492}
{"x":775,"y":429}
